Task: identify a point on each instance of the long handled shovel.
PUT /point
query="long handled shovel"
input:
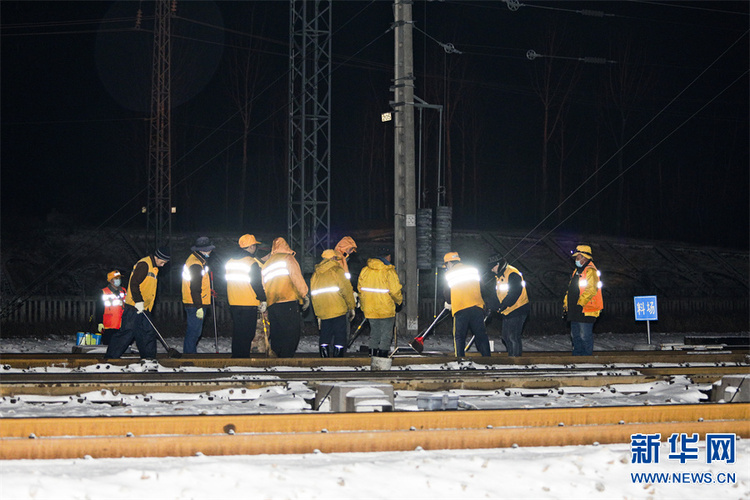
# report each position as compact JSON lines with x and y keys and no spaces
{"x":357,"y":333}
{"x":213,"y":311}
{"x":172,"y":353}
{"x":471,"y":340}
{"x":418,"y":343}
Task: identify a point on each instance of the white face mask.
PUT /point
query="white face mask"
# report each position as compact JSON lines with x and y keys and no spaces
{"x":117,"y":281}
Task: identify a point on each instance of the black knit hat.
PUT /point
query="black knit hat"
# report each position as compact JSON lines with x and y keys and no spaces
{"x":162,"y":253}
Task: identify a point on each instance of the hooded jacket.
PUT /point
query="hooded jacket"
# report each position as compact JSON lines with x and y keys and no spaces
{"x":282,"y":276}
{"x":379,"y":289}
{"x":342,"y":247}
{"x":331,"y":293}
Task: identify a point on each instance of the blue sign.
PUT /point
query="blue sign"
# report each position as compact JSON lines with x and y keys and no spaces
{"x":645,"y":308}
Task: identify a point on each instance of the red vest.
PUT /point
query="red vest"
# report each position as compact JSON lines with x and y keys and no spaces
{"x":112,"y":308}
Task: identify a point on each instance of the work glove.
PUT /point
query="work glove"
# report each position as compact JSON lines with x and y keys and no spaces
{"x":399,"y":307}
{"x":305,"y":303}
{"x":350,"y":315}
{"x":139,"y":307}
{"x":199,"y":313}
{"x":356,"y":300}
{"x":101,"y":327}
{"x":262,"y":307}
{"x":214,"y":294}
{"x":447,"y":306}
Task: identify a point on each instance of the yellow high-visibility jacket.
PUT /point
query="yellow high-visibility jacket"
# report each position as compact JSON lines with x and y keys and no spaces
{"x":379,"y":289}
{"x":465,"y":290}
{"x":142,"y":283}
{"x":331,"y":293}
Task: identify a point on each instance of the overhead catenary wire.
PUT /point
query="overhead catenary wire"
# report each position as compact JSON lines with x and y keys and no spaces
{"x":60,"y":265}
{"x":614,"y":155}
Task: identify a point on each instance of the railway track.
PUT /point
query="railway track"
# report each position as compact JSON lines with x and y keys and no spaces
{"x":56,"y":375}
{"x":47,"y":438}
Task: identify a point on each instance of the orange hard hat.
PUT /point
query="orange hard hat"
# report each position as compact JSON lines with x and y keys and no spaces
{"x":112,"y":275}
{"x":451,"y":257}
{"x":248,"y":240}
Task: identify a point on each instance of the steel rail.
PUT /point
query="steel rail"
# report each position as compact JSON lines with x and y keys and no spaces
{"x":58,"y":384}
{"x":30,"y":438}
{"x":307,"y":360}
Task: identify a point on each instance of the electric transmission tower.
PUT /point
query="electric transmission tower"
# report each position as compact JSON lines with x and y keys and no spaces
{"x":159,"y":208}
{"x":309,"y":129}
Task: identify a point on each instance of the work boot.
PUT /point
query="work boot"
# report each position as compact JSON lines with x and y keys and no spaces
{"x":323,"y":350}
{"x":382,"y":353}
{"x":373,"y":352}
{"x":338,"y":351}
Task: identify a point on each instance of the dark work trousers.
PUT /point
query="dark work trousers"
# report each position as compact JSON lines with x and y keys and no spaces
{"x":107,"y":335}
{"x":134,"y":326}
{"x":582,"y":336}
{"x":286,"y":328}
{"x":333,"y":332}
{"x":512,"y":328}
{"x":471,"y":318}
{"x":245,"y":320}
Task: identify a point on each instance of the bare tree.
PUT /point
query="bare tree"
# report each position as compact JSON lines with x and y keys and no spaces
{"x":553,"y":81}
{"x":245,"y":75}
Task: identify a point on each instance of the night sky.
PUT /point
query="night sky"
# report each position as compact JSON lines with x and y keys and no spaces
{"x":647,"y":108}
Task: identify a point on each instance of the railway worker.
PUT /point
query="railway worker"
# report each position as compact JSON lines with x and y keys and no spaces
{"x":245,"y":295}
{"x":583,"y":301}
{"x":380,"y":294}
{"x":513,"y":303}
{"x":139,"y":301}
{"x":285,"y":291}
{"x":196,"y":291}
{"x":333,"y":302}
{"x":463,"y":297}
{"x":109,"y":308}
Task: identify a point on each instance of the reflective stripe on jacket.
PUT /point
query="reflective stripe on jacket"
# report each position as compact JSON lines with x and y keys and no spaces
{"x":239,"y":281}
{"x":194,"y":292}
{"x":464,"y":283}
{"x":113,"y":300}
{"x":331,"y":292}
{"x":379,"y":289}
{"x":145,"y":288}
{"x":282,"y":279}
{"x":502,"y":288}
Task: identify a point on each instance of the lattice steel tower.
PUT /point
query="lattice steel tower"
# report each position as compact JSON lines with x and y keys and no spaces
{"x":159,"y":208}
{"x":309,"y":129}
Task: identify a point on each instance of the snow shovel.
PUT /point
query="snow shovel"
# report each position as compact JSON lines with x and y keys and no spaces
{"x":213,"y":312}
{"x":471,"y":340}
{"x":357,"y":332}
{"x":418,"y":343}
{"x":172,"y":353}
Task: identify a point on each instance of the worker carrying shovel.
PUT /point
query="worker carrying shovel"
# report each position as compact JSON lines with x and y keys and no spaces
{"x":463,"y":297}
{"x":139,"y":301}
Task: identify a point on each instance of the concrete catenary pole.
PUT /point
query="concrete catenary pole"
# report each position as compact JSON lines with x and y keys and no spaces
{"x":405,"y":209}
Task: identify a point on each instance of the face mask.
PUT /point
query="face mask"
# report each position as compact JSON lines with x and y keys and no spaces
{"x":205,"y":255}
{"x":117,"y":281}
{"x":579,"y":264}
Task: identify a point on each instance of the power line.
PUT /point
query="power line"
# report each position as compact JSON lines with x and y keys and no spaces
{"x":614,"y":155}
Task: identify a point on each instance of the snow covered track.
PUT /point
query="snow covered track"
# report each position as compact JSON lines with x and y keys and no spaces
{"x":46,"y":438}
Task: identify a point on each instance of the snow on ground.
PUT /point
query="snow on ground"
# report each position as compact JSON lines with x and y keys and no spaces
{"x":575,"y":472}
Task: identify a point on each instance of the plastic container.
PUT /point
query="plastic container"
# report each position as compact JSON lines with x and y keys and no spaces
{"x":85,"y":338}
